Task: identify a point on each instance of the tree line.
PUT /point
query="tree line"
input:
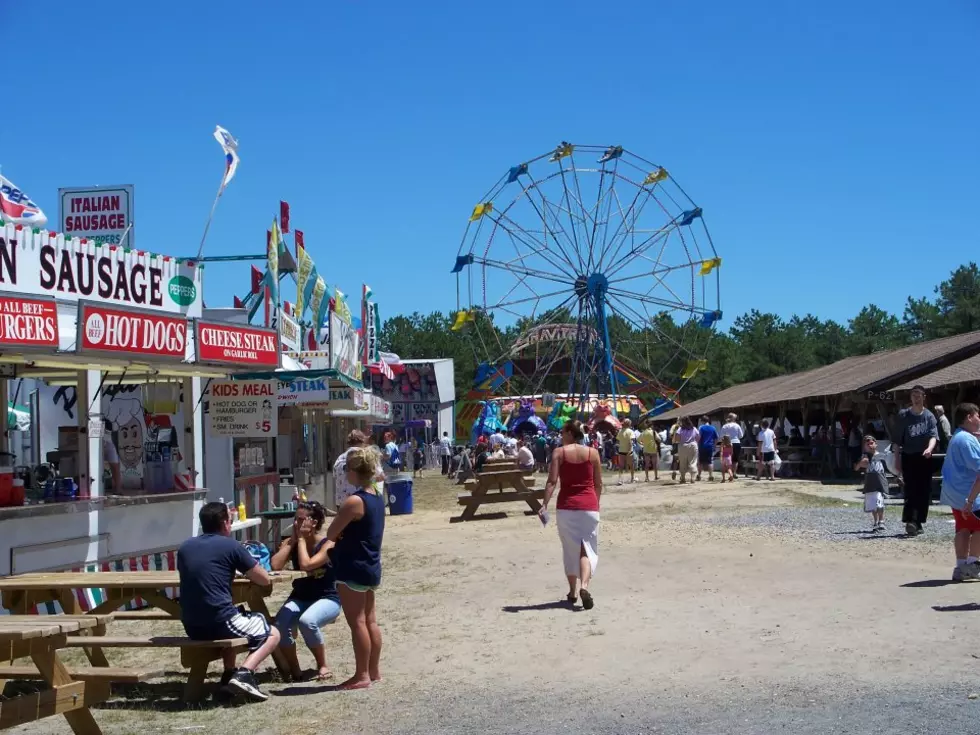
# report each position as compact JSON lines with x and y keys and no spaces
{"x":758,"y":345}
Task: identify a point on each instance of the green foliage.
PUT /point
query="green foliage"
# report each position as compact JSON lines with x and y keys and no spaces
{"x":757,"y":346}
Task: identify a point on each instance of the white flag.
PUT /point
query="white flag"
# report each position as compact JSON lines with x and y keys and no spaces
{"x":230,"y":146}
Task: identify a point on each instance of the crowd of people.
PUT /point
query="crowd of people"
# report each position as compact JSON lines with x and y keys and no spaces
{"x":340,"y":562}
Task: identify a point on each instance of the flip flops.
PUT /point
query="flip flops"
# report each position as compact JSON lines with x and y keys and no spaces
{"x":587,"y":602}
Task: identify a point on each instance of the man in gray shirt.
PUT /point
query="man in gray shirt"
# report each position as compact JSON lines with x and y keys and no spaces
{"x":916,"y":436}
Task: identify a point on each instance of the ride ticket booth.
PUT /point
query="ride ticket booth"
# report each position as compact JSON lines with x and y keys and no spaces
{"x":116,"y":346}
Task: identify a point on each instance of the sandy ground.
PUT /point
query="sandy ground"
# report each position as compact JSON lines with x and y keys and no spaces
{"x":702,"y":624}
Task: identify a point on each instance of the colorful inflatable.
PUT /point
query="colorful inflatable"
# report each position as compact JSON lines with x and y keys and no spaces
{"x":524,"y":420}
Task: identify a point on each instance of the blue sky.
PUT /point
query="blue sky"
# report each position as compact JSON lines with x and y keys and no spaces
{"x":833,"y":146}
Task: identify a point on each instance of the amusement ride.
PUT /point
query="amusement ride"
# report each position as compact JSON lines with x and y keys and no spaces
{"x":588,"y":282}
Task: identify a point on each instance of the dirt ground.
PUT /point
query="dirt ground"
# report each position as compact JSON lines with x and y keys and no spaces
{"x":697,"y":613}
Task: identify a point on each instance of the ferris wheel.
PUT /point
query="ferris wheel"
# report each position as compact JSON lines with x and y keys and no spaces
{"x":587,"y":270}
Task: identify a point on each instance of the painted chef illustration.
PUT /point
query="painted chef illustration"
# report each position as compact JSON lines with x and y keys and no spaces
{"x":126,"y":417}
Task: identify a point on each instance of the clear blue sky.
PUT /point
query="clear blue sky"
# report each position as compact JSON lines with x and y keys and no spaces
{"x":833,"y":145}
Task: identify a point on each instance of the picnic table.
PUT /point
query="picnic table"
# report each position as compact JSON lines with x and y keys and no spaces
{"x":22,"y":592}
{"x":70,"y":693}
{"x":501,"y":483}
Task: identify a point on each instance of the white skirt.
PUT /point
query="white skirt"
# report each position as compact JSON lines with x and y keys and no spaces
{"x":578,"y":529}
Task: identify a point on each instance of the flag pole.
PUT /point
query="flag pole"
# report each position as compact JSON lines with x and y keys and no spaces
{"x":207,"y":225}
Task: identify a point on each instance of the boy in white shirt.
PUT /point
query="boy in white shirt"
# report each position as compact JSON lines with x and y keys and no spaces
{"x":767,"y":451}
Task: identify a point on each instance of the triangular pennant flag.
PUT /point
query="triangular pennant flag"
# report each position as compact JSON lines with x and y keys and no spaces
{"x":693,"y":367}
{"x":654,"y":176}
{"x":563,"y":150}
{"x":709,"y":265}
{"x":689,"y":216}
{"x":463,"y":317}
{"x":709,"y":319}
{"x":257,"y":278}
{"x":515,"y":172}
{"x":238,"y":303}
{"x":612,"y":152}
{"x":481,"y":209}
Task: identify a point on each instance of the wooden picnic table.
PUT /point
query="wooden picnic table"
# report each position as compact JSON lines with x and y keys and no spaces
{"x":40,"y":637}
{"x":22,"y":592}
{"x":498,"y":485}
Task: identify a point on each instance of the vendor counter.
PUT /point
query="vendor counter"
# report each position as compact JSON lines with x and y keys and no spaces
{"x":57,"y":536}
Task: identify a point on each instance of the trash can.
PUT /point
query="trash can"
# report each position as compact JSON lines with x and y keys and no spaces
{"x":398,"y":489}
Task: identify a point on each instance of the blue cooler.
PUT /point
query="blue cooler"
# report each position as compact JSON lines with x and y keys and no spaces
{"x":398,"y":489}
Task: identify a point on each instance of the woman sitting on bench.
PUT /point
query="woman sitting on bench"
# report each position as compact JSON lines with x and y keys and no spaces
{"x":313,"y":602}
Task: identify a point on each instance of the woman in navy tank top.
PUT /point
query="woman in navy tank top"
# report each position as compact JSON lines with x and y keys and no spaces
{"x":357,"y":531}
{"x":579,"y":470}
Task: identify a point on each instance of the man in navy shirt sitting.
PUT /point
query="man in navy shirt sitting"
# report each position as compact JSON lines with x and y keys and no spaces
{"x":207,"y":566}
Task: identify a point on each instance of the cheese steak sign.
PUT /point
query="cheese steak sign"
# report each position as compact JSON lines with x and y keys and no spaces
{"x":130,"y":332}
{"x":37,"y":264}
{"x":28,"y":322}
{"x":231,"y":344}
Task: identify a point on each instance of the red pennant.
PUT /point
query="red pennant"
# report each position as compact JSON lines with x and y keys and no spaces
{"x":299,"y":240}
{"x":239,"y":304}
{"x":256,"y":280}
{"x":284,"y":216}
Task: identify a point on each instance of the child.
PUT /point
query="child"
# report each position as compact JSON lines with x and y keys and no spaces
{"x":357,"y":532}
{"x":766,"y":451}
{"x":418,"y":463}
{"x":875,"y":483}
{"x":961,"y":485}
{"x":727,"y":467}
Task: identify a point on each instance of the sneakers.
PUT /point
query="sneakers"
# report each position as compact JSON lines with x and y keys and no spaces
{"x":243,"y":682}
{"x":967,"y":573}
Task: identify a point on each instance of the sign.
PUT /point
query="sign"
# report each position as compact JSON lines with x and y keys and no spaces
{"x":371,"y":334}
{"x":312,"y":360}
{"x":344,"y":357}
{"x":880,"y":395}
{"x":26,"y":322}
{"x":101,"y":214}
{"x":232,"y":344}
{"x":320,"y":393}
{"x":112,"y":330}
{"x":289,"y":332}
{"x":243,"y":408}
{"x":96,"y":428}
{"x":379,"y":408}
{"x":37,"y":264}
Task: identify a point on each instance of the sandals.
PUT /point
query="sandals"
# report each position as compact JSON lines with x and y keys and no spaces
{"x":587,"y":602}
{"x":571,"y":598}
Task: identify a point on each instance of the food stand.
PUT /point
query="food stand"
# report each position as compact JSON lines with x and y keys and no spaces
{"x":107,"y":331}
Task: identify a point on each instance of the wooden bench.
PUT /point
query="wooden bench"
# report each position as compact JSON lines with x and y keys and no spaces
{"x":194,"y":655}
{"x":146,"y":615}
{"x":93,"y":674}
{"x":498,"y":486}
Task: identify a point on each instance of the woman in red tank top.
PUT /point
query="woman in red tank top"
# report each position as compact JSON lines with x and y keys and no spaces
{"x":578,"y":469}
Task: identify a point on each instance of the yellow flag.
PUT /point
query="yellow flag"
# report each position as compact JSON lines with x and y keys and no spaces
{"x":693,"y":367}
{"x":481,"y":209}
{"x":654,"y":176}
{"x":463,"y":317}
{"x":565,"y":149}
{"x":709,"y":265}
{"x":304,"y":272}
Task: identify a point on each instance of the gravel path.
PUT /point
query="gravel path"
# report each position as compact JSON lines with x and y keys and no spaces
{"x":643,"y":708}
{"x":839,"y":524}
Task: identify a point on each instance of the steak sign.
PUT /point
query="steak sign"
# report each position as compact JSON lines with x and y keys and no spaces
{"x":26,"y":322}
{"x":130,"y":332}
{"x":232,"y":344}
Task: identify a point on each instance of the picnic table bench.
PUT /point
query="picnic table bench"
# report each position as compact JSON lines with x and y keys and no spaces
{"x":498,"y":486}
{"x":21,"y":593}
{"x":71,"y":692}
